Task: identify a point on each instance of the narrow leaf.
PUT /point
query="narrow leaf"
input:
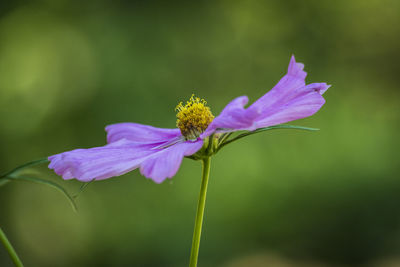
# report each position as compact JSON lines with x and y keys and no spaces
{"x":4,"y":181}
{"x":23,"y":166}
{"x":83,"y":186}
{"x":48,"y":183}
{"x":275,"y":127}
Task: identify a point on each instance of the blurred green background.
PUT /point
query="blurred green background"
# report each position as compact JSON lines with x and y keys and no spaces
{"x":282,"y":198}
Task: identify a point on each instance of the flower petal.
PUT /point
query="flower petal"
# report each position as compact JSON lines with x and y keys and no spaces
{"x":233,"y":116}
{"x":298,"y":108}
{"x":304,"y":102}
{"x":290,"y":99}
{"x":165,"y":163}
{"x":285,"y":89}
{"x":140,"y":133}
{"x":319,"y":87}
{"x":121,"y":157}
{"x":99,"y":162}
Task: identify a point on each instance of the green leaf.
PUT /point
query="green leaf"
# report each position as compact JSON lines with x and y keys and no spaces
{"x":4,"y":181}
{"x":45,"y":182}
{"x":275,"y":127}
{"x":23,"y":166}
{"x":12,"y":175}
{"x":83,"y":186}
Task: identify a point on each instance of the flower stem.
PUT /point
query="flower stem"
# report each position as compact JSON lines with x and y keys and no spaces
{"x":10,"y":249}
{"x":194,"y":254}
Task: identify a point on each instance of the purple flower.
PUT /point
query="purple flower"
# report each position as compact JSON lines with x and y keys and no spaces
{"x":158,"y":153}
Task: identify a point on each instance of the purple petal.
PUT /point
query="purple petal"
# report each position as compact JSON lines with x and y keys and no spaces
{"x":319,"y":87}
{"x":99,"y":162}
{"x":290,"y":99}
{"x":233,"y":116}
{"x":300,"y":107}
{"x":140,"y":133}
{"x":121,"y":157}
{"x":285,"y":89}
{"x":165,"y":163}
{"x":302,"y":103}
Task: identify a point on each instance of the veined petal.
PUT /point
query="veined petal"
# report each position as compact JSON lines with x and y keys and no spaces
{"x":99,"y":162}
{"x":283,"y":90}
{"x":119,"y":158}
{"x":290,"y":99}
{"x":140,"y":133}
{"x":232,"y":116}
{"x":165,"y":163}
{"x":305,"y":102}
{"x":318,"y":87}
{"x":298,"y":108}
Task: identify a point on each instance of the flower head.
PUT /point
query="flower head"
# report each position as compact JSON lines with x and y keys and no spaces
{"x":158,"y":152}
{"x":193,"y":118}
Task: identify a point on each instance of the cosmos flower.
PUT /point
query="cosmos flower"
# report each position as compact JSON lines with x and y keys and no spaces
{"x":158,"y":152}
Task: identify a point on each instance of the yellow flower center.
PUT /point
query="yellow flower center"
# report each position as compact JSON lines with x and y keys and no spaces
{"x":193,"y":117}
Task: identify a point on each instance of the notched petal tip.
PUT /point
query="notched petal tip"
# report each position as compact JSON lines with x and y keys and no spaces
{"x":318,"y":87}
{"x":290,"y":99}
{"x":324,"y":88}
{"x":296,"y":68}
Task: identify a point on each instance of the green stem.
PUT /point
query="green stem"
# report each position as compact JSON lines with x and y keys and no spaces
{"x":10,"y":249}
{"x":194,"y":254}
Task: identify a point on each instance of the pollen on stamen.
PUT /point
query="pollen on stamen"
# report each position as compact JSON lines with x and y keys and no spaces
{"x":193,"y":118}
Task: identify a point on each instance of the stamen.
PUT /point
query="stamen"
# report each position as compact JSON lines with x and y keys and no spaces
{"x":193,"y":118}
